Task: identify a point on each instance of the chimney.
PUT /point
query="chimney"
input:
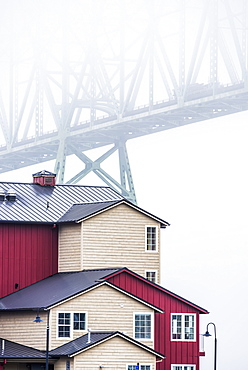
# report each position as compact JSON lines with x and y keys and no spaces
{"x":44,"y":178}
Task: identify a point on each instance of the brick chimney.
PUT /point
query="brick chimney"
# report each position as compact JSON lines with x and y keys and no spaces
{"x":44,"y":178}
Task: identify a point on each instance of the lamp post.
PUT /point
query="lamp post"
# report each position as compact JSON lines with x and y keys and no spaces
{"x":207,"y":334}
{"x":38,"y":320}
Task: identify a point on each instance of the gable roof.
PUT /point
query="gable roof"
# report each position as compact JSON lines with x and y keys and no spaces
{"x":9,"y":349}
{"x":61,"y":287}
{"x":81,"y":344}
{"x":60,"y":203}
{"x":156,"y":286}
{"x":36,"y":203}
{"x":80,"y":212}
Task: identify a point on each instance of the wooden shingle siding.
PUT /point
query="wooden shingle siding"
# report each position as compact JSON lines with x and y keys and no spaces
{"x":116,"y":238}
{"x":107,"y":310}
{"x":69,"y":247}
{"x":114,"y":354}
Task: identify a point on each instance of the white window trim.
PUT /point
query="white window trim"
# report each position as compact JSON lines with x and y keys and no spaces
{"x":86,"y":321}
{"x":148,"y":250}
{"x":152,"y":327}
{"x":156,"y":275}
{"x":194,"y":366}
{"x":71,"y":324}
{"x":183,"y":340}
{"x":140,"y":364}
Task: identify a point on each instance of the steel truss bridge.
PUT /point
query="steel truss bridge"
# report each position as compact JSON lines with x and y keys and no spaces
{"x":78,"y":75}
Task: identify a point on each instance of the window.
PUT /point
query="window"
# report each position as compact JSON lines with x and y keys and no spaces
{"x":140,"y":367}
{"x":68,"y":322}
{"x":143,"y":326}
{"x":64,"y":325}
{"x":182,"y":367}
{"x":183,"y":327}
{"x":151,"y":276}
{"x":79,"y":321}
{"x":151,"y":238}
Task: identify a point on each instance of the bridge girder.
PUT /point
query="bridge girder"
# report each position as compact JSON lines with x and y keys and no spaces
{"x":78,"y":77}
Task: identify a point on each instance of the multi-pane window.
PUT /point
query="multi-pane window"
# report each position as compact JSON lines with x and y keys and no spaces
{"x":141,"y":367}
{"x":151,"y":276}
{"x":143,"y":326}
{"x":151,"y":238}
{"x":64,"y":325}
{"x":183,"y":367}
{"x":68,"y":321}
{"x":183,"y":327}
{"x":79,"y":321}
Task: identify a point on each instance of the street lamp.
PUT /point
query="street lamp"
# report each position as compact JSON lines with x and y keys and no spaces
{"x":207,"y":334}
{"x":38,"y":320}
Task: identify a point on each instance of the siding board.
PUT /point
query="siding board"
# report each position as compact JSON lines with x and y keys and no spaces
{"x":28,"y":253}
{"x":175,"y":352}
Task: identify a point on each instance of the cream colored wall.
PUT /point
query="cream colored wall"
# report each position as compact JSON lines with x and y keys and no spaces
{"x":69,"y":248}
{"x":116,"y":238}
{"x":19,"y":327}
{"x":115,"y":354}
{"x":107,"y":310}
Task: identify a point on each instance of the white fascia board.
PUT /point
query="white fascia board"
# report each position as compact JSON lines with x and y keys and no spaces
{"x":125,"y":337}
{"x":112,"y":286}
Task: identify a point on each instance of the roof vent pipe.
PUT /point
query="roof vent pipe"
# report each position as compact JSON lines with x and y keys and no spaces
{"x":3,"y":347}
{"x":89,"y":339}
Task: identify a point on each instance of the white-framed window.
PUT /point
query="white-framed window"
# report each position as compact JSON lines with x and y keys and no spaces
{"x":64,"y":325}
{"x":139,"y":367}
{"x":67,"y":322}
{"x":151,"y":236}
{"x":183,"y":327}
{"x":151,"y":275}
{"x":143,"y":326}
{"x":182,"y":367}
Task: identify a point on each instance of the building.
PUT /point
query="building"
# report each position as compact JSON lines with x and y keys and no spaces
{"x":62,"y":248}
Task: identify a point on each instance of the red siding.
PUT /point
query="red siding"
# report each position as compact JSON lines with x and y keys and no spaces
{"x":175,"y":352}
{"x":28,"y":253}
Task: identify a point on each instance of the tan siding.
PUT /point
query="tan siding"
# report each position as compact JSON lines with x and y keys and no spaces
{"x":69,"y":248}
{"x":19,"y":327}
{"x":115,"y":353}
{"x":116,"y":238}
{"x":107,"y":310}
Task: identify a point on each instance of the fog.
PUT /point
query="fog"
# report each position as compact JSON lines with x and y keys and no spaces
{"x":194,"y":177}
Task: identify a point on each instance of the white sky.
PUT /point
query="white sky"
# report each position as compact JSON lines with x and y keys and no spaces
{"x":195,"y":177}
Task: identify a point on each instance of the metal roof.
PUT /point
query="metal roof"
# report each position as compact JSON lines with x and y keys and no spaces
{"x":80,"y":211}
{"x":10,"y":349}
{"x":60,"y":287}
{"x":81,"y":344}
{"x":54,"y":289}
{"x":47,"y":204}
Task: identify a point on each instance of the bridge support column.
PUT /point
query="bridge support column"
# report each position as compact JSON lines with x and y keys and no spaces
{"x":125,"y":186}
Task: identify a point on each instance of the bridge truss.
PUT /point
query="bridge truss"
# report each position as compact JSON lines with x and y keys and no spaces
{"x":79,"y":75}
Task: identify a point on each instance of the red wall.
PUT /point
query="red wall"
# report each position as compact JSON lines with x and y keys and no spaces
{"x":28,"y":253}
{"x":175,"y":352}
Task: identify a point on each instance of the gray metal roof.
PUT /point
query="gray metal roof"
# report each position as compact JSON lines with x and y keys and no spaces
{"x":36,"y":203}
{"x":12,"y":350}
{"x":80,"y":211}
{"x":54,"y":289}
{"x":81,"y":344}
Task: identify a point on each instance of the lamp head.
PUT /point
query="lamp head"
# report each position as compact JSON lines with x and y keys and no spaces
{"x":207,"y":334}
{"x":38,"y":319}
